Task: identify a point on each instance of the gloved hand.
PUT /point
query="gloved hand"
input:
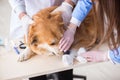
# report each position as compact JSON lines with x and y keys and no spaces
{"x":66,"y":10}
{"x":26,"y":21}
{"x":67,"y":39}
{"x":95,"y":56}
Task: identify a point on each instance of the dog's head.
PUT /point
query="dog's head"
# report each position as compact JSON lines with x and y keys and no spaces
{"x":45,"y":33}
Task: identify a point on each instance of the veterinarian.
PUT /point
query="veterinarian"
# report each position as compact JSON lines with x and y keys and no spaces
{"x":107,"y":16}
{"x":22,"y":12}
{"x":21,"y":18}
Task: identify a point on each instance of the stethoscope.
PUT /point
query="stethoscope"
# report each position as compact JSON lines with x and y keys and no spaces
{"x":22,"y":45}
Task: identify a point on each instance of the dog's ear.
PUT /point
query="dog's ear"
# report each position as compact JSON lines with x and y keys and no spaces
{"x":43,"y":14}
{"x":36,"y":18}
{"x":57,"y":16}
{"x":49,"y":9}
{"x":34,"y":40}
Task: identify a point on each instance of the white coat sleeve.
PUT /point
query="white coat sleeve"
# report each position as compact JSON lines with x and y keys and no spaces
{"x":18,"y":6}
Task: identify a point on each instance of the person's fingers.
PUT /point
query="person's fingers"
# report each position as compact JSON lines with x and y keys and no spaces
{"x":62,"y":44}
{"x":61,"y":40}
{"x":89,"y":60}
{"x":88,"y":57}
{"x":65,"y":46}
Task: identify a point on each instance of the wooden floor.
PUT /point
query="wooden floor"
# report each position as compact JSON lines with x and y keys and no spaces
{"x":98,"y":71}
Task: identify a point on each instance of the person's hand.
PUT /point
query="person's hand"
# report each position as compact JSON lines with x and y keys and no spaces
{"x":68,"y":38}
{"x":26,"y":21}
{"x":66,"y":10}
{"x":95,"y":56}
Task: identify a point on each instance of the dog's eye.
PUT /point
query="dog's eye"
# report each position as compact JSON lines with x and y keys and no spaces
{"x":34,"y":41}
{"x":53,"y":43}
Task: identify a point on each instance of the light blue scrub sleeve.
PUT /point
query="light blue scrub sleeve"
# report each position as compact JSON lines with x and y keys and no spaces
{"x":115,"y":55}
{"x":82,"y":9}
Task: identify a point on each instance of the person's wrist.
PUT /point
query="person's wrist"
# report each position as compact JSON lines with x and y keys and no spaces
{"x":72,"y":27}
{"x":21,"y":15}
{"x":70,"y":2}
{"x":106,"y":56}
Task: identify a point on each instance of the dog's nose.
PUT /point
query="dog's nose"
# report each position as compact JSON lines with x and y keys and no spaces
{"x":67,"y":52}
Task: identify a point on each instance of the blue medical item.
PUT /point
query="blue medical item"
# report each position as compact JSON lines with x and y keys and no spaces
{"x":1,"y":42}
{"x":15,"y":47}
{"x":16,"y":50}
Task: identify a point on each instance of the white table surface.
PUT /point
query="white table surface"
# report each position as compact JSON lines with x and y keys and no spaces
{"x":11,"y":69}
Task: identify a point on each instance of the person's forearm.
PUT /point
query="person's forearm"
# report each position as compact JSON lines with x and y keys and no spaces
{"x":18,"y":6}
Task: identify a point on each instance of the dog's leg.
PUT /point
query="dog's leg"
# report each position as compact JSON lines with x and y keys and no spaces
{"x":68,"y":57}
{"x":25,"y":55}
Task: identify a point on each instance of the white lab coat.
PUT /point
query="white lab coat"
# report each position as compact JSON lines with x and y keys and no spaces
{"x":31,"y":7}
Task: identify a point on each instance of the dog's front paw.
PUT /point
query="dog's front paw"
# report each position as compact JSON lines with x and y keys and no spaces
{"x":25,"y":55}
{"x":67,"y":59}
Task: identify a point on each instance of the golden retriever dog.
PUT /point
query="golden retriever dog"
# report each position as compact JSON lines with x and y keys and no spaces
{"x":47,"y":30}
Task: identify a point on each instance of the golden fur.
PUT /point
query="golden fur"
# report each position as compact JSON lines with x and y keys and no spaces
{"x":45,"y":34}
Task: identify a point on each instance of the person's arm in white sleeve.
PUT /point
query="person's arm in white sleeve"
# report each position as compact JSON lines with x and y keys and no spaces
{"x":18,"y":6}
